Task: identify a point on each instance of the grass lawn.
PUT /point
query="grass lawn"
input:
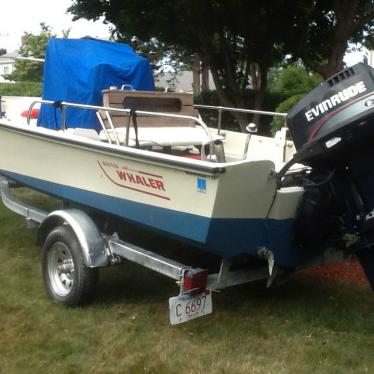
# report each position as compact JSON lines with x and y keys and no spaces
{"x":309,"y":325}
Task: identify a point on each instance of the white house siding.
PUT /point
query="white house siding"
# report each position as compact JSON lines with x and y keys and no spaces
{"x":181,"y":83}
{"x":7,"y":65}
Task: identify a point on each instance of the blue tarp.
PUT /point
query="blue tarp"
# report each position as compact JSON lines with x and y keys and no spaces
{"x":77,"y":70}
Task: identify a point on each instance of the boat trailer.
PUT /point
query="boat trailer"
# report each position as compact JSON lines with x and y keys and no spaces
{"x":99,"y":250}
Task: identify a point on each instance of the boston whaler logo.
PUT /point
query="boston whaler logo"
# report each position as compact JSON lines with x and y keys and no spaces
{"x":136,"y":180}
{"x":335,"y":100}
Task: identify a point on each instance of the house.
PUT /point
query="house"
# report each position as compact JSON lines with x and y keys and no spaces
{"x":7,"y":64}
{"x":183,"y":81}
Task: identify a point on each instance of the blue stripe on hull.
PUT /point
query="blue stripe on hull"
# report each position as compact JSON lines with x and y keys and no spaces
{"x":225,"y":237}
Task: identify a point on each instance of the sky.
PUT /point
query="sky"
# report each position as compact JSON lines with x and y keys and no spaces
{"x":19,"y":16}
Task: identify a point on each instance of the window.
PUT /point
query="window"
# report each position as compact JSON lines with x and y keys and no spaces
{"x":6,"y":70}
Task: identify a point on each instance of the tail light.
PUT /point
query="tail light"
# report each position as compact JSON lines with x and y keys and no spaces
{"x":195,"y":280}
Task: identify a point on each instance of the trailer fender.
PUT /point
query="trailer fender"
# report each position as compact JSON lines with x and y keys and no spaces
{"x":89,"y":237}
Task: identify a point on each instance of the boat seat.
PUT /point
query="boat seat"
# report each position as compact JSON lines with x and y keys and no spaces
{"x":180,"y":103}
{"x":152,"y":130}
{"x":160,"y":136}
{"x":86,"y":133}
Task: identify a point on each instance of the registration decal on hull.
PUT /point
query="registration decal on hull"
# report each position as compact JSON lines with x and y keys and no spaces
{"x":136,"y":180}
{"x":201,"y":185}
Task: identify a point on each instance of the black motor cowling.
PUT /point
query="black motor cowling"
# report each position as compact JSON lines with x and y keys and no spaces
{"x":333,"y":128}
{"x":334,"y":117}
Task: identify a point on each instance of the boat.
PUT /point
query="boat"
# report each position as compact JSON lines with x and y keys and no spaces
{"x":147,"y":157}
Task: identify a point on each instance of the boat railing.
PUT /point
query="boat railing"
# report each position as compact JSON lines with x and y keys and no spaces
{"x":63,"y":105}
{"x":221,"y":109}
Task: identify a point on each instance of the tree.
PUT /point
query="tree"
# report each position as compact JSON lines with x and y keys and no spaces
{"x":321,"y":36}
{"x":158,"y":53}
{"x":236,"y":42}
{"x":2,"y":51}
{"x":33,"y":46}
{"x":239,"y":39}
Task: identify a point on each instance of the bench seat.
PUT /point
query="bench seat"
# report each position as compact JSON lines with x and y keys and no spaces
{"x":160,"y":136}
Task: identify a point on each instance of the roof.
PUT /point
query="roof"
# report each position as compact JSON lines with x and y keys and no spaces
{"x":9,"y":56}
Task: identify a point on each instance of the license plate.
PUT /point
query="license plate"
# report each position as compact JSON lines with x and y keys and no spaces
{"x":186,"y":307}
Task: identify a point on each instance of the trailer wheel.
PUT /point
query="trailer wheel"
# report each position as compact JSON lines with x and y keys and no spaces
{"x":67,"y":279}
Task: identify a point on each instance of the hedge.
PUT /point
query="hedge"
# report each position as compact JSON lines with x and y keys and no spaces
{"x":21,"y":89}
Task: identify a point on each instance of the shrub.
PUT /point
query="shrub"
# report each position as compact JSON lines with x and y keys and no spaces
{"x":21,"y":89}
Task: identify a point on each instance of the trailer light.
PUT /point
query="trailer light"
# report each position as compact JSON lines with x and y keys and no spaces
{"x":195,"y":280}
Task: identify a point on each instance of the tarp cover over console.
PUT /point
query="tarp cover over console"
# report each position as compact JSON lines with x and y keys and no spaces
{"x":77,"y":70}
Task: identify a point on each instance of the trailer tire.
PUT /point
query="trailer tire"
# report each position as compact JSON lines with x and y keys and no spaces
{"x":66,"y":277}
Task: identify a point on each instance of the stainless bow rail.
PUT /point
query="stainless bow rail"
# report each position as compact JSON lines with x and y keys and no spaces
{"x":222,"y":109}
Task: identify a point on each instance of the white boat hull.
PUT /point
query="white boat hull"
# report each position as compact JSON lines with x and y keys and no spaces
{"x":228,"y":209}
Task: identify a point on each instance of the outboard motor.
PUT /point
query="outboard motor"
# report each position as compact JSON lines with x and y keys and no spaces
{"x":333,"y":131}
